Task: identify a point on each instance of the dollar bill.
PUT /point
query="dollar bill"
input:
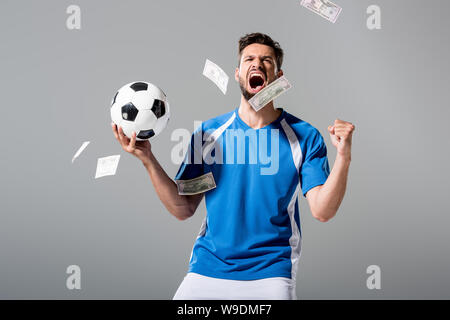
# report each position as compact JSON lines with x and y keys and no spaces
{"x":107,"y":166}
{"x":80,"y":150}
{"x":324,"y":8}
{"x":197,"y":185}
{"x":214,"y":73}
{"x":272,"y":91}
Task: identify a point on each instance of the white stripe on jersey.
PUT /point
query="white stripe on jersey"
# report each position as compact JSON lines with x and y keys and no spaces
{"x":213,"y":137}
{"x":295,"y":240}
{"x":210,"y":140}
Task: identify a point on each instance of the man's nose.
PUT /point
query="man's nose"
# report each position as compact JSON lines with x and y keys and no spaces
{"x":257,"y":64}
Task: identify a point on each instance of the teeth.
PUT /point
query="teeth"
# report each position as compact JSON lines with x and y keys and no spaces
{"x":256,"y":74}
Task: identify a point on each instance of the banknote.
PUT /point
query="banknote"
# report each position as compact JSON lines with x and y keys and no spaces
{"x":273,"y":90}
{"x":80,"y":150}
{"x":214,"y":73}
{"x":107,"y":166}
{"x":324,"y":8}
{"x":197,"y":185}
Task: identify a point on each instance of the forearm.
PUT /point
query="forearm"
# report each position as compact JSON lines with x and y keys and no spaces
{"x":166,"y":188}
{"x":332,"y":192}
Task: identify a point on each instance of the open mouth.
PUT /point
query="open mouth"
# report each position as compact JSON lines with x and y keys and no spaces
{"x":256,"y":82}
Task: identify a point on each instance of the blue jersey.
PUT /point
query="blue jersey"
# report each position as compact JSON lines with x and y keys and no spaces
{"x":252,"y":226}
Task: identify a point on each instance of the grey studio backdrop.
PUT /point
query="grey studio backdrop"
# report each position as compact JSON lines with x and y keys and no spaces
{"x":56,"y":87}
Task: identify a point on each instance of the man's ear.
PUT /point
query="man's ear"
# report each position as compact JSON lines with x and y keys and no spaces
{"x":279,"y":73}
{"x":236,"y":74}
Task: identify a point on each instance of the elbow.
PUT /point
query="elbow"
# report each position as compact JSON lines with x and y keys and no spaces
{"x":324,"y":217}
{"x":182,"y":218}
{"x":183,"y":215}
{"x":321,"y":219}
{"x":187,"y":209}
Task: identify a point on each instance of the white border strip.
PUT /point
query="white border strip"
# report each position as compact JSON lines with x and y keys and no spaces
{"x":295,"y":240}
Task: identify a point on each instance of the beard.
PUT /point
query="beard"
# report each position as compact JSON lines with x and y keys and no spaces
{"x":247,"y":95}
{"x":244,"y":81}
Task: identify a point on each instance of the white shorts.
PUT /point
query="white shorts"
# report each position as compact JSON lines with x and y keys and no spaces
{"x":198,"y":287}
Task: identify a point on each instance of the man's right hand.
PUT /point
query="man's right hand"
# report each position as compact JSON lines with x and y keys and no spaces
{"x":140,"y":149}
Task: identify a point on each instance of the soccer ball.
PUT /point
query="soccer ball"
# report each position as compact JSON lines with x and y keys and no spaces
{"x":141,"y":107}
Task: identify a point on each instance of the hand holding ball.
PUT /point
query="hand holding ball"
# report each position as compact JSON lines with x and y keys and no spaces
{"x":139,"y":111}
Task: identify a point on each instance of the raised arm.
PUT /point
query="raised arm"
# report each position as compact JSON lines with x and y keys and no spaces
{"x":324,"y":200}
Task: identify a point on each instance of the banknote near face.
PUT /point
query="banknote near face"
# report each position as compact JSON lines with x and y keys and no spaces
{"x":272,"y":91}
{"x":214,"y":73}
{"x":324,"y":8}
{"x":197,"y":185}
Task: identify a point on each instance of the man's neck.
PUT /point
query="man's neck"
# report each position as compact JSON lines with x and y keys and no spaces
{"x":259,"y":119}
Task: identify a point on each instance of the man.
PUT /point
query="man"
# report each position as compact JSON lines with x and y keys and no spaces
{"x":249,"y":243}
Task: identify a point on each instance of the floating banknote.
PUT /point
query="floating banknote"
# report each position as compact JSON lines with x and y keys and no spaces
{"x":107,"y":166}
{"x":324,"y":8}
{"x":273,"y":90}
{"x":214,"y":73}
{"x":197,"y":185}
{"x":83,"y":146}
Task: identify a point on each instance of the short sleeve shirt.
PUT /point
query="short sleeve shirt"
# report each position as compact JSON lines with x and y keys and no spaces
{"x":252,"y":226}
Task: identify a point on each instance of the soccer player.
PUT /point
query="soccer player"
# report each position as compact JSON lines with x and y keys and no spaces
{"x":249,"y":243}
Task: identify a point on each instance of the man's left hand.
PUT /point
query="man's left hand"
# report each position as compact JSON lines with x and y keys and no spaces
{"x":341,"y":137}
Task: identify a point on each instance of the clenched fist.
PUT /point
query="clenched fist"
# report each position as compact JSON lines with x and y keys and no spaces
{"x":341,"y":137}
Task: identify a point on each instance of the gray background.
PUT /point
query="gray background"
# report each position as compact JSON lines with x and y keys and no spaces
{"x":56,"y":87}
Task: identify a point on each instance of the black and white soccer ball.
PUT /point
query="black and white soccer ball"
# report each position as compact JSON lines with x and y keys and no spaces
{"x":141,"y":107}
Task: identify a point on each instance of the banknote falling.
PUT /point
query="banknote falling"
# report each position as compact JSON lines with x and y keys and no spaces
{"x":214,"y":73}
{"x":107,"y":166}
{"x":323,"y":8}
{"x":80,"y":150}
{"x":272,"y":91}
{"x":197,"y":185}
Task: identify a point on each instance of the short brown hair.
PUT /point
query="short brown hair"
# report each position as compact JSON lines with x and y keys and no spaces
{"x":261,"y":38}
